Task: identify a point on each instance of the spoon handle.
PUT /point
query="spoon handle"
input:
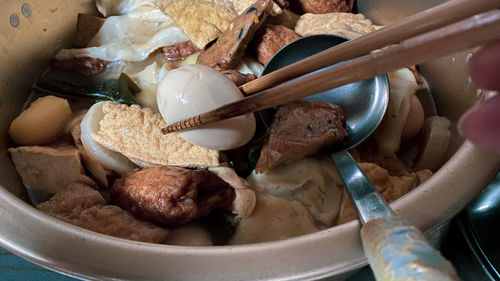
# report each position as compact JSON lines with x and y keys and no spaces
{"x":368,"y":202}
{"x":395,"y":249}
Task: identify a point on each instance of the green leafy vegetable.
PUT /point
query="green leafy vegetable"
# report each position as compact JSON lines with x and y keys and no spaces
{"x":121,"y":90}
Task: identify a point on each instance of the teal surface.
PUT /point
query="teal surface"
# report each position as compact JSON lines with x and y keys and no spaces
{"x":15,"y":268}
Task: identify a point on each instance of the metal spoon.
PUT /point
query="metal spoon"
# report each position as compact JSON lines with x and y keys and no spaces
{"x":395,"y":249}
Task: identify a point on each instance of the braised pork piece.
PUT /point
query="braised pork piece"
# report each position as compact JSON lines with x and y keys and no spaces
{"x":179,"y":51}
{"x":230,"y":47}
{"x":321,"y":6}
{"x":237,"y":77}
{"x":270,"y":39}
{"x":84,"y":66}
{"x":300,"y":128}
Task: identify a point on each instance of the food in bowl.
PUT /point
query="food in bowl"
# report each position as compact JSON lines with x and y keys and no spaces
{"x":168,"y":183}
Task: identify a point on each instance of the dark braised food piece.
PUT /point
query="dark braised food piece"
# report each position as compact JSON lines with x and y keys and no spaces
{"x":270,"y":39}
{"x":238,"y":78}
{"x":282,"y":3}
{"x":85,"y":207}
{"x":179,"y":51}
{"x":87,"y":27}
{"x":227,"y":51}
{"x":86,"y":66}
{"x":321,"y":6}
{"x":300,"y":128}
{"x":171,"y":195}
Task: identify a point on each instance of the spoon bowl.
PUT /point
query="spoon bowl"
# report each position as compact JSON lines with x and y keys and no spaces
{"x":363,"y":102}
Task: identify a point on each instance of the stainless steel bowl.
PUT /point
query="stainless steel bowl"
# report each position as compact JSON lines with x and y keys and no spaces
{"x":31,"y":33}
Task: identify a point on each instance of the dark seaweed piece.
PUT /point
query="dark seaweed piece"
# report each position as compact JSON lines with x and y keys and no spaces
{"x":120,"y":90}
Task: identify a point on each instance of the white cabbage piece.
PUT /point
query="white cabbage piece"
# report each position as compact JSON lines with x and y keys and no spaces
{"x":131,"y":36}
{"x":249,"y":65}
{"x":292,"y":199}
{"x":120,"y":7}
{"x":147,"y":80}
{"x":402,"y":86}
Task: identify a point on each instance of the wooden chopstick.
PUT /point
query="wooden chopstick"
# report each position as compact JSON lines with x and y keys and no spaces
{"x":453,"y":38}
{"x":433,"y":18}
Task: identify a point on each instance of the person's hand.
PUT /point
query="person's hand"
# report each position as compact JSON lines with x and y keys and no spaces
{"x":481,"y":123}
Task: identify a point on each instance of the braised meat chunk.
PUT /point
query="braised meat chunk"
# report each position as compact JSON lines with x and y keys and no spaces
{"x":237,"y":77}
{"x":229,"y":48}
{"x":270,"y":39}
{"x":171,"y":195}
{"x":85,"y":66}
{"x":282,"y":3}
{"x":179,"y":51}
{"x":300,"y":128}
{"x":321,"y":6}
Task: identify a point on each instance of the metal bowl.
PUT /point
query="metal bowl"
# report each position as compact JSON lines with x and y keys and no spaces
{"x":32,"y":32}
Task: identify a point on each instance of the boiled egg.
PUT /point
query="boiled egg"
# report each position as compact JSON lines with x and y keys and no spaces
{"x":194,"y":89}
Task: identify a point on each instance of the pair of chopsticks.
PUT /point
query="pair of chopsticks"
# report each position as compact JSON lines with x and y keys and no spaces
{"x":450,"y":27}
